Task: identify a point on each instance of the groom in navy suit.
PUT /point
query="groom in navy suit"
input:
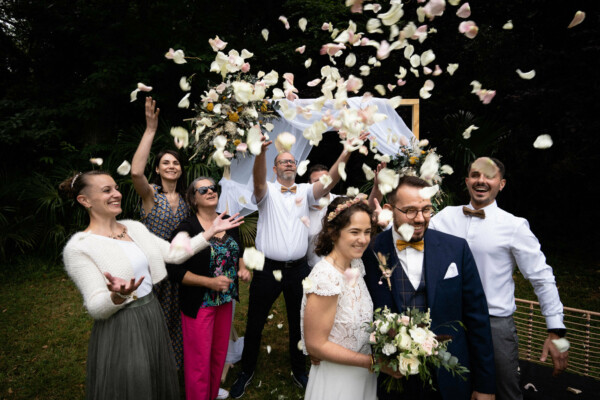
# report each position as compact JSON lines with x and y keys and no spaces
{"x":436,"y":271}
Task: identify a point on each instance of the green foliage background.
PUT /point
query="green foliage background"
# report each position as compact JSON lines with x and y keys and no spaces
{"x":68,"y":67}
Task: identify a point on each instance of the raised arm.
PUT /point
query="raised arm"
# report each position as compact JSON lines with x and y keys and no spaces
{"x":259,"y":172}
{"x":318,"y":189}
{"x":140,"y":158}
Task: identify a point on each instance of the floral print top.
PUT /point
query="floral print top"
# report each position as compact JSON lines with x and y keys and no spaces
{"x":224,"y":257}
{"x":161,"y":220}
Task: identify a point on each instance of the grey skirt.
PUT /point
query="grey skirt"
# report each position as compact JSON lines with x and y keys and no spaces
{"x":130,"y":355}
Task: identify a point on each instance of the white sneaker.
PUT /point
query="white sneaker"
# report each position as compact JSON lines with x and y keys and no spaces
{"x":223,"y":394}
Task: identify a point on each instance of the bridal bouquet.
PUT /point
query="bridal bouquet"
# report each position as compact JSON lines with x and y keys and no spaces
{"x":405,"y":343}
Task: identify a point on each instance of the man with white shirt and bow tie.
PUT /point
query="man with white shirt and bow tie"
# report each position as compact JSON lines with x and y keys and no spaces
{"x":282,"y":235}
{"x":501,"y":241}
{"x":436,"y":271}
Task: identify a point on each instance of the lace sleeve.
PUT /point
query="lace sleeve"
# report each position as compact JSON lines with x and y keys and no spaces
{"x":325,"y":279}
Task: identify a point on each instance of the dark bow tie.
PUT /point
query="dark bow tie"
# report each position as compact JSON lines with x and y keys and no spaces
{"x":474,"y":213}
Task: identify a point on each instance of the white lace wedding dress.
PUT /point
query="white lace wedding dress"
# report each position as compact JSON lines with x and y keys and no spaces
{"x":354,"y":308}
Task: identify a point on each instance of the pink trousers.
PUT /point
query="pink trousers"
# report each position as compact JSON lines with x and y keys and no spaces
{"x":205,"y":342}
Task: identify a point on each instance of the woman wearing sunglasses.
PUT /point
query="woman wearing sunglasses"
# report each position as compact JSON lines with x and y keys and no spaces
{"x":208,"y":285}
{"x":163,"y":207}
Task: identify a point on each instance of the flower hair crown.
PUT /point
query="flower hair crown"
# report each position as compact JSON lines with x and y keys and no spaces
{"x":345,"y":205}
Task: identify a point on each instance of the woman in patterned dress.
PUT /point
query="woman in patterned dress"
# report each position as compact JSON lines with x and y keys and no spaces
{"x":163,"y":208}
{"x":208,"y":285}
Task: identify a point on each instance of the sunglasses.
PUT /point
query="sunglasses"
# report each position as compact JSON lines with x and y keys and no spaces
{"x":205,"y":189}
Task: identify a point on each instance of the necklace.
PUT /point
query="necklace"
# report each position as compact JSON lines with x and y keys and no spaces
{"x":336,"y":265}
{"x":120,"y":235}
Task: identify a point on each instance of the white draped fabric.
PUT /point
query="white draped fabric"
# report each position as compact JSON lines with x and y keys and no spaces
{"x":236,"y":192}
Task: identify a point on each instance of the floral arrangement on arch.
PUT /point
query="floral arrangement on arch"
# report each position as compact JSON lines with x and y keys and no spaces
{"x":233,"y":115}
{"x":416,"y":159}
{"x":406,"y":343}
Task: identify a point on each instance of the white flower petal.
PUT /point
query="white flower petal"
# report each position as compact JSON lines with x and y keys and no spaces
{"x":133,"y":95}
{"x":305,"y":220}
{"x":388,"y":180}
{"x":143,"y":88}
{"x":446,"y":169}
{"x":406,"y":231}
{"x":526,"y":75}
{"x":268,"y":349}
{"x":369,"y":174}
{"x":308,"y":63}
{"x":427,"y":57}
{"x":302,"y":167}
{"x":265,"y":34}
{"x":181,"y":135}
{"x":350,"y":60}
{"x":184,"y":84}
{"x":543,"y":142}
{"x":342,"y":170}
{"x":561,"y":344}
{"x":385,"y":216}
{"x":302,"y":24}
{"x":253,"y":258}
{"x":284,"y":141}
{"x":508,"y":25}
{"x":395,"y":102}
{"x":279,"y":326}
{"x":380,"y":89}
{"x":325,"y":180}
{"x":452,"y":68}
{"x":307,"y":284}
{"x":97,"y":161}
{"x":277,"y":275}
{"x":429,"y":191}
{"x":352,"y":191}
{"x":184,"y":102}
{"x":124,"y":168}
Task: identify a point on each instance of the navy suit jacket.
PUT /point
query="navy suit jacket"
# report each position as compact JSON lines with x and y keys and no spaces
{"x":460,"y":298}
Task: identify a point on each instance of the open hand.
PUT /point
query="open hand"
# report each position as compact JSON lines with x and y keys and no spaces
{"x":221,"y":223}
{"x":121,"y":286}
{"x":151,"y":114}
{"x":559,"y":359}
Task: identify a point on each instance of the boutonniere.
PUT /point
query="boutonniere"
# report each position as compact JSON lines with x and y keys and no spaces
{"x":386,"y":272}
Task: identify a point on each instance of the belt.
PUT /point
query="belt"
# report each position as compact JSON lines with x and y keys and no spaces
{"x":285,"y":264}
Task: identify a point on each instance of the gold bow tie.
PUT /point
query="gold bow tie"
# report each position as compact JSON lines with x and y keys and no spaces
{"x":474,"y":213}
{"x":401,"y":245}
{"x":290,"y":189}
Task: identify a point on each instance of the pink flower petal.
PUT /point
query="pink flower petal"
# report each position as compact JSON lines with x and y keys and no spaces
{"x":285,"y":22}
{"x":301,"y":49}
{"x":464,"y":11}
{"x":468,"y":28}
{"x":314,"y":82}
{"x":143,"y":88}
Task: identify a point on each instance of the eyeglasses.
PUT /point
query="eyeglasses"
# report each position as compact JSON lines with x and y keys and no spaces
{"x":287,"y":162}
{"x":204,"y":189}
{"x":412,"y":213}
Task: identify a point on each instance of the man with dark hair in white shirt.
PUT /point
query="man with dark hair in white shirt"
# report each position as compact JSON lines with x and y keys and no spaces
{"x":499,"y":242}
{"x":282,"y":235}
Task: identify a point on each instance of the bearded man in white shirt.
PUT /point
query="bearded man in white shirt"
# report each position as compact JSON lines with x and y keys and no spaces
{"x":499,"y":242}
{"x":282,"y":236}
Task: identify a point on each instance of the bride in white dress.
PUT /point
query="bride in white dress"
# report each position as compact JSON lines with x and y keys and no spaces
{"x":337,"y":305}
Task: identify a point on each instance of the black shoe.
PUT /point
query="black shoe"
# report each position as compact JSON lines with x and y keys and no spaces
{"x":239,"y":386}
{"x":300,"y":380}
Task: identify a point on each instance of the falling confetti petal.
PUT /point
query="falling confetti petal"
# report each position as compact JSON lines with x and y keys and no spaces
{"x":429,"y":191}
{"x":279,"y":326}
{"x":508,"y":25}
{"x":561,"y":344}
{"x":385,"y":216}
{"x":530,"y":386}
{"x":302,"y":24}
{"x":277,"y":275}
{"x":452,"y":68}
{"x":124,"y":168}
{"x":286,"y":24}
{"x":406,"y":231}
{"x":342,"y":170}
{"x":97,"y":161}
{"x":526,"y":75}
{"x":265,"y":34}
{"x":577,"y":19}
{"x":184,"y":84}
{"x":302,"y":167}
{"x":268,"y":349}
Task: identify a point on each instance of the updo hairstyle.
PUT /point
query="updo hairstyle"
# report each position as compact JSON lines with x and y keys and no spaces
{"x":330,"y":232}
{"x":72,"y":186}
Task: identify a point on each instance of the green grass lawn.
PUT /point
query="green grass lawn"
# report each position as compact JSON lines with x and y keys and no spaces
{"x":44,"y":330}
